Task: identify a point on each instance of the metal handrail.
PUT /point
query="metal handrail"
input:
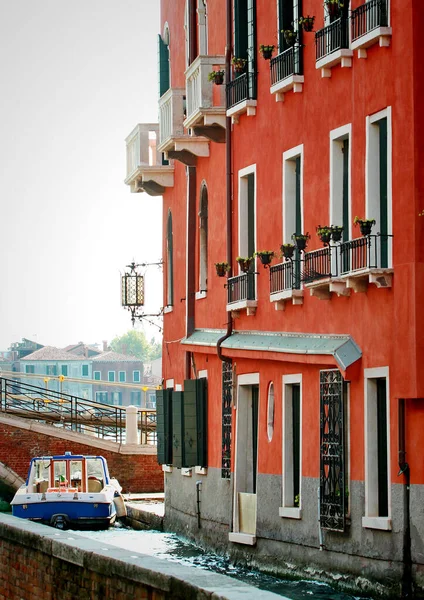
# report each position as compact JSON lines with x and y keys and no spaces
{"x":369,"y":16}
{"x":332,"y":37}
{"x":282,"y":277}
{"x":360,"y":253}
{"x":317,"y":265}
{"x":285,"y":64}
{"x":241,"y":287}
{"x":241,"y":88}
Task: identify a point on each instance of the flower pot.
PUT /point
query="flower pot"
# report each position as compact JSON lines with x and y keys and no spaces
{"x":325,"y":237}
{"x":265,"y":258}
{"x":336,"y":234}
{"x":290,"y":38}
{"x":221,"y":270}
{"x":365,"y":227}
{"x":244,"y":265}
{"x":267,"y":54}
{"x":287,"y":251}
{"x":301,"y":243}
{"x":239,"y":70}
{"x":219,"y":79}
{"x":308,"y":26}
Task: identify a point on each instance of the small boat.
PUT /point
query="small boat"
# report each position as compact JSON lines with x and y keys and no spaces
{"x":69,"y":491}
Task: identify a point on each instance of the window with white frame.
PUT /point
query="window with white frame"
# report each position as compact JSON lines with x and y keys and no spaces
{"x":292,"y":193}
{"x":340,"y":179}
{"x":203,"y":239}
{"x":247,"y":212}
{"x":111,"y":375}
{"x":122,"y":376}
{"x":97,"y":375}
{"x":378,"y":181}
{"x":377,"y":449}
{"x":292,"y":446}
{"x":136,"y":376}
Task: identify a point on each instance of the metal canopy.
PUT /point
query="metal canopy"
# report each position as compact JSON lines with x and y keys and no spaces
{"x":342,"y":347}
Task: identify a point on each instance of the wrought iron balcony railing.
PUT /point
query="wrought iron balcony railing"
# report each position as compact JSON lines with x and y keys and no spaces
{"x":241,"y":287}
{"x":317,"y":264}
{"x":284,"y":276}
{"x":368,"y":16}
{"x":287,"y":63}
{"x":331,"y":38}
{"x":241,"y":88}
{"x":358,"y":254}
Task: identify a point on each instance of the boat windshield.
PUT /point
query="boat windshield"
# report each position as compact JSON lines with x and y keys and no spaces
{"x":41,"y":469}
{"x":95,"y":469}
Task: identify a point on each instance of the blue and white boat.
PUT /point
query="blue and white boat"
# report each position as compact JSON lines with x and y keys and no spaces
{"x":69,"y":491}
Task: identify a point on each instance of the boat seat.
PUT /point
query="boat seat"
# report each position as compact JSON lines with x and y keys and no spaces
{"x":94,"y":485}
{"x":42,"y":486}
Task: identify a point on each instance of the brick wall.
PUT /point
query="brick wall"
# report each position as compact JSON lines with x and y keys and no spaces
{"x":136,"y":473}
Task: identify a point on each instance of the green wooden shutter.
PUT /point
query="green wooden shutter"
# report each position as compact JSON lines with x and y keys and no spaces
{"x":285,"y":21}
{"x":202,"y":421}
{"x":251,"y":45}
{"x":383,"y":497}
{"x":345,"y":201}
{"x":164,"y":426}
{"x":240,"y":28}
{"x":255,"y":415}
{"x":382,"y":127}
{"x":190,"y":423}
{"x":178,"y":429}
{"x":296,"y":439}
{"x":163,"y":65}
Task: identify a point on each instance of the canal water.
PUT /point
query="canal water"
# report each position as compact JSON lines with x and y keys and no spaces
{"x":172,"y":548}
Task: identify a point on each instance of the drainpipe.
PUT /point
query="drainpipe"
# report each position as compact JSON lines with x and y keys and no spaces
{"x":198,"y":489}
{"x":228,"y":167}
{"x":405,"y":471}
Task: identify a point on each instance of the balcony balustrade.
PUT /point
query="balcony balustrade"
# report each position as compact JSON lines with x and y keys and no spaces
{"x":241,"y":293}
{"x":287,"y":72}
{"x":284,"y":280}
{"x":241,"y":96}
{"x":370,"y":25}
{"x":332,"y":46}
{"x":174,"y":141}
{"x":146,"y":170}
{"x":205,"y":100}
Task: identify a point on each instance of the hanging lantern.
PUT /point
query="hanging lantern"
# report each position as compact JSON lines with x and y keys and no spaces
{"x":132,"y":288}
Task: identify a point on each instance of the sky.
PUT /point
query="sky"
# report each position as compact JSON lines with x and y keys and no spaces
{"x":76,"y":78}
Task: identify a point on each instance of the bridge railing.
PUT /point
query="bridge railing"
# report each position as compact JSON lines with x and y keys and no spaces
{"x":71,"y":412}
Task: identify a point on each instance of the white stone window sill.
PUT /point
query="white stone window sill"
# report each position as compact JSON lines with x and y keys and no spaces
{"x":201,"y":470}
{"x":246,"y":106}
{"x":381,"y":35}
{"x":201,"y":295}
{"x":242,"y":538}
{"x":186,"y":472}
{"x":290,"y":512}
{"x":249,"y":305}
{"x":293,"y":82}
{"x":342,"y":57}
{"x":382,"y":523}
{"x":167,"y":468}
{"x":167,"y":309}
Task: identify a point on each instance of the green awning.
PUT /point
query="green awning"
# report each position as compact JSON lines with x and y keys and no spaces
{"x":342,"y":347}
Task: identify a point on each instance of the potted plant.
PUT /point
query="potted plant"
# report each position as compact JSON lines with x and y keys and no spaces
{"x":365,"y":225}
{"x":244,"y":263}
{"x":239,"y":64}
{"x":266,"y":51}
{"x":301,"y":240}
{"x":216,"y":77}
{"x":336,"y":232}
{"x":287,"y":250}
{"x":307,"y":23}
{"x":265,"y":256}
{"x":290,"y":36}
{"x":324,"y":233}
{"x":333,"y":7}
{"x":222,"y":268}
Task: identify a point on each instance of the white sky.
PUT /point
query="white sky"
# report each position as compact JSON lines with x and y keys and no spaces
{"x":76,"y":77}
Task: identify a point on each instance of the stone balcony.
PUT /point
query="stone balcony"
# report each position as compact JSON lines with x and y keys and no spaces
{"x":205,"y":109}
{"x":145,"y":169}
{"x":174,"y":140}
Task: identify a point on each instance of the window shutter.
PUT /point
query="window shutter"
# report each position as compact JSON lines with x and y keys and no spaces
{"x":202,"y":424}
{"x":240,"y":28}
{"x":178,"y":429}
{"x":164,"y":426}
{"x":163,"y":62}
{"x":190,"y":423}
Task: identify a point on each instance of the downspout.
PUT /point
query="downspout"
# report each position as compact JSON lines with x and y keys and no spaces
{"x":229,"y":180}
{"x":405,"y":471}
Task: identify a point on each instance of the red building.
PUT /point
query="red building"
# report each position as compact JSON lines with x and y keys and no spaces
{"x":306,"y":438}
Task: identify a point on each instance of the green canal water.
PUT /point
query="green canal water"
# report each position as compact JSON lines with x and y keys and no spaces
{"x":172,"y":548}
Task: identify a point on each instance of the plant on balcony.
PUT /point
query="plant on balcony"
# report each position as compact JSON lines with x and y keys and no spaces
{"x":365,"y":225}
{"x":307,"y":23}
{"x":265,"y":256}
{"x":244,"y":263}
{"x":222,"y":268}
{"x":290,"y":36}
{"x":333,"y":7}
{"x":287,"y":250}
{"x":239,"y":64}
{"x":301,"y":240}
{"x":266,"y":51}
{"x":216,"y":77}
{"x":324,"y":233}
{"x":336,"y":232}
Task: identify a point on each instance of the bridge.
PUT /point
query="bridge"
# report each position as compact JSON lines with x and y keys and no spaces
{"x":36,"y":421}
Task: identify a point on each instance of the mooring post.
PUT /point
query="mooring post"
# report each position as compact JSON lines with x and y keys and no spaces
{"x":131,"y":433}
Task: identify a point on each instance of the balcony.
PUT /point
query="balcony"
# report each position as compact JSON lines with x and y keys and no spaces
{"x":205,"y":100}
{"x":284,"y":281}
{"x":174,"y":142}
{"x":145,"y":171}
{"x":287,"y":72}
{"x":241,"y":96}
{"x":241,"y":294}
{"x":369,"y":26}
{"x":332,"y":46}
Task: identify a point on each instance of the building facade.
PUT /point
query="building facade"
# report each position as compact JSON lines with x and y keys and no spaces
{"x":110,"y":369}
{"x":292,"y":390}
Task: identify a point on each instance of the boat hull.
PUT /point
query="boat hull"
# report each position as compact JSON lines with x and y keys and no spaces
{"x":68,"y":514}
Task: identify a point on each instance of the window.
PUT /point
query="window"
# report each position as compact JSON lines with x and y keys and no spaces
{"x":340,"y":177}
{"x":51,"y":370}
{"x":136,"y":398}
{"x":377,"y":449}
{"x":288,"y":15}
{"x":170,"y":262}
{"x":136,"y":376}
{"x":111,"y":375}
{"x":102,"y":397}
{"x":84,"y":370}
{"x":97,"y":375}
{"x":29,"y":369}
{"x":122,"y":376}
{"x":245,"y":39}
{"x":247,"y":212}
{"x":203,"y":239}
{"x":292,"y":447}
{"x":65,"y":370}
{"x":378,"y":186}
{"x":116,"y":398}
{"x":270,"y":412}
{"x":202,"y":16}
{"x":163,"y":59}
{"x":293,"y":202}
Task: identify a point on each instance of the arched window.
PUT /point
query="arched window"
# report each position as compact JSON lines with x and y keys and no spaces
{"x":203,"y":239}
{"x":169,"y":262}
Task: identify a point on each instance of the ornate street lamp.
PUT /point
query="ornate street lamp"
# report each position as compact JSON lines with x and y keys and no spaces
{"x":132,"y":292}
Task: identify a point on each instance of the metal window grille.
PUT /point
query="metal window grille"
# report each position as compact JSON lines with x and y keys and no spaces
{"x":227,"y":396}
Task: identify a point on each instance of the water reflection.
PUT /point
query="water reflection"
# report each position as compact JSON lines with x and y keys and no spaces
{"x":170,"y":547}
